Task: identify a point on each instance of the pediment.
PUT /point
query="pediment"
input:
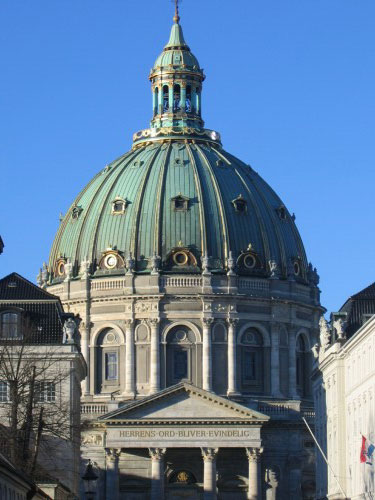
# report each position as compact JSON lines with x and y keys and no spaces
{"x":185,"y":402}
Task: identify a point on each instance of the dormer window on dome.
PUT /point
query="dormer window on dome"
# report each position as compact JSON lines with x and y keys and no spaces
{"x":76,"y":211}
{"x":60,"y":267}
{"x":119,"y":206}
{"x":111,"y":260}
{"x":240,"y":204}
{"x":281,"y":212}
{"x":248,"y":260}
{"x":180,"y":203}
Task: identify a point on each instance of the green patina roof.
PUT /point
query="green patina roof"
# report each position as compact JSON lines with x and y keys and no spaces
{"x":149,"y":178}
{"x":164,"y":163}
{"x":176,"y":38}
{"x":177,"y":52}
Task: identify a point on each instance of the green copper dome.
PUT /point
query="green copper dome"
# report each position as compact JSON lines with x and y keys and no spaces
{"x":177,"y":202}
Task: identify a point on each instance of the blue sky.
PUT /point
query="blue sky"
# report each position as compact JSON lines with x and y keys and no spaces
{"x":290,"y":86}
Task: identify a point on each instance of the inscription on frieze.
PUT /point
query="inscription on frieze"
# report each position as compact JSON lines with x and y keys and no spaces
{"x":182,"y":436}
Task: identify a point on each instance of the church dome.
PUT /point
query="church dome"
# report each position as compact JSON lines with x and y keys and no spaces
{"x":178,"y":202}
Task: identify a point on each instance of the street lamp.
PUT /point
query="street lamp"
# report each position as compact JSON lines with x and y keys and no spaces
{"x":89,"y":481}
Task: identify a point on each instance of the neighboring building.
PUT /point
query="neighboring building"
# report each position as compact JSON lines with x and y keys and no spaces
{"x":37,"y":337}
{"x":344,"y":394}
{"x":199,"y":309}
{"x":15,"y":486}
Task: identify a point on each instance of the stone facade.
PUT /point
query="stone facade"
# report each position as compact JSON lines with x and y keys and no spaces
{"x":148,"y":331}
{"x":36,"y":336}
{"x":344,"y":390}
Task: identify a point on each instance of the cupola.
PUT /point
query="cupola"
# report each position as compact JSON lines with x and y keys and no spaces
{"x":176,"y":80}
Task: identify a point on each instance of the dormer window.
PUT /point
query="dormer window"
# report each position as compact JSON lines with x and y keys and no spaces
{"x":60,"y":267}
{"x":240,"y":204}
{"x":119,"y":206}
{"x":10,"y":325}
{"x":281,"y":211}
{"x":180,"y":203}
{"x":76,"y":212}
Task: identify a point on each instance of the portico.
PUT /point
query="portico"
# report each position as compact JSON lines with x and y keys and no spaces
{"x":204,"y":426}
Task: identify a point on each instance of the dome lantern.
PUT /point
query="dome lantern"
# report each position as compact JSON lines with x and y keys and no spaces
{"x":176,"y":80}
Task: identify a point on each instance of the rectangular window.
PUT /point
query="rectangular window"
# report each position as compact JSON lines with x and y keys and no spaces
{"x":45,"y":392}
{"x":180,"y":364}
{"x":111,"y":365}
{"x":4,"y":392}
{"x":249,"y":366}
{"x":9,"y":325}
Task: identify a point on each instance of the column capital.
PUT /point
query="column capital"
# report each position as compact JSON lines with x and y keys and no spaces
{"x":128,"y":322}
{"x":209,"y":454}
{"x":157,"y":453}
{"x":113,"y":454}
{"x":153,"y":322}
{"x":207,"y":321}
{"x":232,"y":321}
{"x":253,"y":454}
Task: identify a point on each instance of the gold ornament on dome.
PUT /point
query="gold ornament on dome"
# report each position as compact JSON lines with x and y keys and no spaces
{"x":182,"y":477}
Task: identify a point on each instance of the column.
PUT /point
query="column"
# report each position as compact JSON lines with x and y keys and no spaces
{"x":292,"y":366}
{"x":232,"y":357}
{"x":209,"y":473}
{"x":85,"y":348}
{"x":183,"y":96}
{"x":275,"y":361}
{"x":155,"y":356}
{"x":160,"y":100}
{"x":254,"y":490}
{"x":207,"y":354}
{"x":170,"y":97}
{"x":157,"y":473}
{"x":129,"y":361}
{"x":112,"y":473}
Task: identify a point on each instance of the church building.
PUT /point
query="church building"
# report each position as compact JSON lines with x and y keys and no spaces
{"x":199,"y":309}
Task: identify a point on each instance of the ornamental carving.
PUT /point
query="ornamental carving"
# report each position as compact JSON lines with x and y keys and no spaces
{"x":93,"y":439}
{"x":209,"y":454}
{"x":113,"y":454}
{"x":141,"y":307}
{"x":157,"y":453}
{"x":325,"y":333}
{"x":253,"y":454}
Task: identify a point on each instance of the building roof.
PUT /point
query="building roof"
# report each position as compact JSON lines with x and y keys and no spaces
{"x":185,"y":161}
{"x":42,"y":308}
{"x":357,"y":306}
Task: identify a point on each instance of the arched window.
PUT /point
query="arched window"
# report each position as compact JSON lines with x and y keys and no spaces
{"x":176,"y":98}
{"x":301,"y":362}
{"x":252,"y":361}
{"x":188,"y":99}
{"x":165,"y":98}
{"x":180,"y":355}
{"x":10,"y":325}
{"x":108,"y":361}
{"x":156,"y":100}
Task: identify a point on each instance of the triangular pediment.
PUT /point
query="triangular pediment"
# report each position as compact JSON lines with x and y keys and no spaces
{"x":185,"y":402}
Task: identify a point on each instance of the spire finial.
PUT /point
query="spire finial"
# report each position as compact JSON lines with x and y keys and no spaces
{"x":176,"y":18}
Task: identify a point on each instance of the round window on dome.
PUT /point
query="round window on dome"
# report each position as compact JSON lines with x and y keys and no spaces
{"x":110,"y":261}
{"x":60,"y":268}
{"x":180,"y":258}
{"x":249,"y":261}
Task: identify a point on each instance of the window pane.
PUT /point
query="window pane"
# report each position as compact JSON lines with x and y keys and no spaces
{"x":111,"y":365}
{"x":180,"y":365}
{"x":9,"y":325}
{"x":45,"y":392}
{"x":4,"y":393}
{"x":249,"y":366}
